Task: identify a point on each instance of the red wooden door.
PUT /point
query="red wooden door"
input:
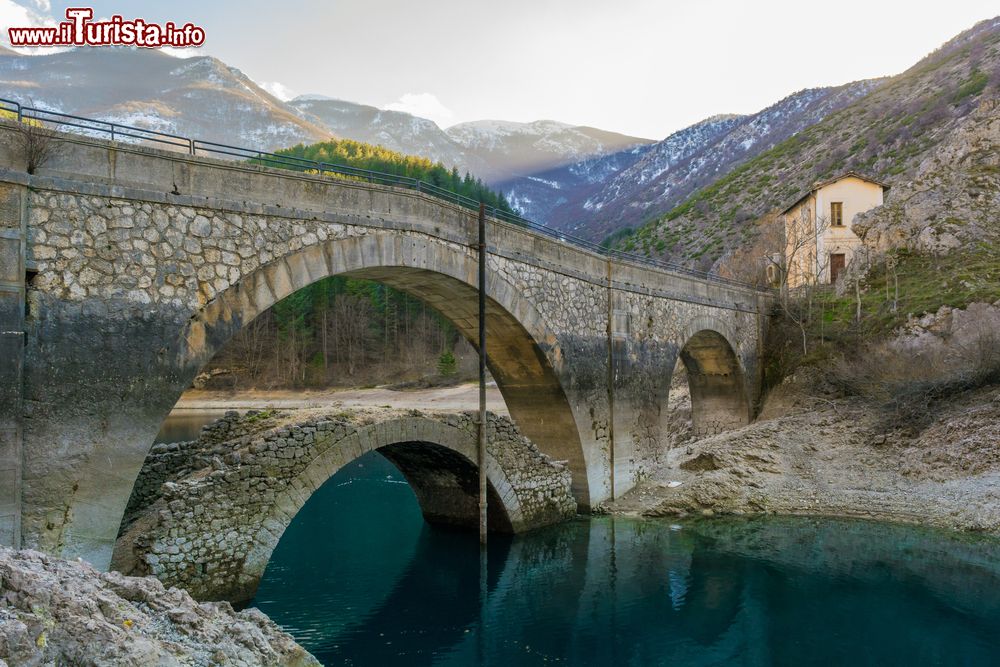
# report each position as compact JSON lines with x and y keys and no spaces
{"x":836,"y":266}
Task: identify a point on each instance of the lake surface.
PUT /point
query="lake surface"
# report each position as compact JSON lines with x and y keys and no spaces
{"x":359,"y":579}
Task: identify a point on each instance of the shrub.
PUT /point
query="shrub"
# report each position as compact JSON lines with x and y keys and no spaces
{"x":908,"y":385}
{"x":974,"y":85}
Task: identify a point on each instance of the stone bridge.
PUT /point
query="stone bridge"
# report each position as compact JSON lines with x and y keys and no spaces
{"x":206,"y":515}
{"x":127,"y":268}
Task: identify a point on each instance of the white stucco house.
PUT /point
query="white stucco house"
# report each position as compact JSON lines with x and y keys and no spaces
{"x":819,"y":240}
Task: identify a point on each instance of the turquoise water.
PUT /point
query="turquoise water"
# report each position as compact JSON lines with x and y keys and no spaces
{"x":359,"y":579}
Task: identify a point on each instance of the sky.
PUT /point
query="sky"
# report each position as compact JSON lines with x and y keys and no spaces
{"x":640,"y":67}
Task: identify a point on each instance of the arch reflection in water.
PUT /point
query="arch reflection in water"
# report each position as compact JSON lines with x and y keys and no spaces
{"x":359,"y":579}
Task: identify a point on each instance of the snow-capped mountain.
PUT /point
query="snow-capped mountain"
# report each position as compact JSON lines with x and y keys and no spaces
{"x":518,"y":149}
{"x":692,"y":158}
{"x":200,"y":97}
{"x":539,"y":194}
{"x":543,"y":164}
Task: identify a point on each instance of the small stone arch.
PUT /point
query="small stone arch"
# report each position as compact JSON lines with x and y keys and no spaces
{"x":418,"y":447}
{"x":717,"y":377}
{"x":212,"y":528}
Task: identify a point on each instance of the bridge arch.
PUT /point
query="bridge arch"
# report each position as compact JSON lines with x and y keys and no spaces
{"x":717,"y":376}
{"x":438,"y":461}
{"x":227,"y":519}
{"x":523,"y":353}
{"x":524,"y":356}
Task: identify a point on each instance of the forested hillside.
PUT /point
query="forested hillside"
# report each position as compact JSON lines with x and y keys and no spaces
{"x":377,"y":158}
{"x":343,"y":332}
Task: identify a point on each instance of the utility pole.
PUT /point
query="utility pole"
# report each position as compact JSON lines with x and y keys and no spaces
{"x":481,"y":450}
{"x":481,"y":454}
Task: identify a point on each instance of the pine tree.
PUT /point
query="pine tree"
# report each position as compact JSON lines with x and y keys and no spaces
{"x":447,"y":365}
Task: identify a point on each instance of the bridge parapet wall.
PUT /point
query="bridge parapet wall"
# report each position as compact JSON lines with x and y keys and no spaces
{"x":130,"y":172}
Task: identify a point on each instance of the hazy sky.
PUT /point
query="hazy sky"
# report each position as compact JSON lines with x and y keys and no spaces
{"x":635,"y":66}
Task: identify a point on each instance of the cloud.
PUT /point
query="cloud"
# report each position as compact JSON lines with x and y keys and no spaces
{"x":14,"y":15}
{"x":179,"y":52}
{"x":425,"y":105}
{"x":278,"y":89}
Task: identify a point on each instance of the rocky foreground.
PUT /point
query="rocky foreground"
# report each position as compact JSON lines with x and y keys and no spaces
{"x":56,"y":612}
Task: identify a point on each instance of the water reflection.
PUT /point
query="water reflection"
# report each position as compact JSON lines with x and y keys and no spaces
{"x":359,"y":579}
{"x":181,"y":425}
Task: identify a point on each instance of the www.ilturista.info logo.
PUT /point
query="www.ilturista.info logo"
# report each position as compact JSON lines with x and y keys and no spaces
{"x":79,"y":30}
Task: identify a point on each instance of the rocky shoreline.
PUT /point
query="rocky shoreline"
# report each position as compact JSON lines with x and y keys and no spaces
{"x":829,"y":457}
{"x":57,"y":612}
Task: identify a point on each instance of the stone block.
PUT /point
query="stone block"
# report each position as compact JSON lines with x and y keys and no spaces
{"x":11,"y":269}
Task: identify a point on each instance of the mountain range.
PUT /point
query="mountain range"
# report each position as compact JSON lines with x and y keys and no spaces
{"x":688,"y":197}
{"x":932,"y":133}
{"x":196,"y":97}
{"x":580,"y":179}
{"x":203,"y":97}
{"x":508,"y":155}
{"x":694,"y":157}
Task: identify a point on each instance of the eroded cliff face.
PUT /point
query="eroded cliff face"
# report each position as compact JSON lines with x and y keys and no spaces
{"x":954,"y":198}
{"x":57,"y":612}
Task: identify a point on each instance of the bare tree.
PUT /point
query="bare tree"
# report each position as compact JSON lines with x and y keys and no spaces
{"x":37,"y":145}
{"x":761,"y":248}
{"x":250,"y":346}
{"x":352,"y":317}
{"x":801,"y":269}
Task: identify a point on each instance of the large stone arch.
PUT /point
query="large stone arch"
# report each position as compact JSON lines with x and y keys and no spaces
{"x":523,"y":353}
{"x":717,"y":376}
{"x":523,"y":356}
{"x":212,"y":530}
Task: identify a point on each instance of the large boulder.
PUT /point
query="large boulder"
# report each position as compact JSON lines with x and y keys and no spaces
{"x":57,"y":612}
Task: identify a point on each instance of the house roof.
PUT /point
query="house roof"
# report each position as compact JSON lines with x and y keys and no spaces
{"x":823,"y":184}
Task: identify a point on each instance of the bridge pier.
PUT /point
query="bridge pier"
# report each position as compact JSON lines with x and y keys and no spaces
{"x":13,"y":269}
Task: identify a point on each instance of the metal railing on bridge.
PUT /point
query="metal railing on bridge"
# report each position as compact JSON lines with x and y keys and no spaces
{"x":128,"y":133}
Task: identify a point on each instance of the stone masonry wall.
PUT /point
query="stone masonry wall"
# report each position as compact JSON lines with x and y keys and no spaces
{"x":172,"y":461}
{"x":211,"y":529}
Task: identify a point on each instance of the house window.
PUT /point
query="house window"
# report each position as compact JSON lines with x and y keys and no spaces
{"x":837,"y":213}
